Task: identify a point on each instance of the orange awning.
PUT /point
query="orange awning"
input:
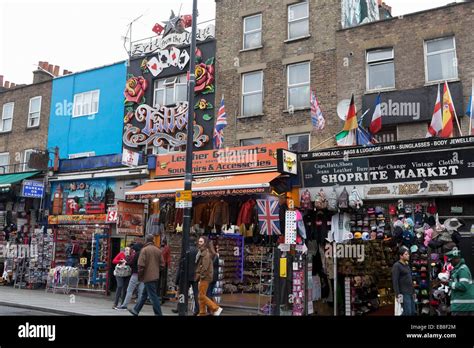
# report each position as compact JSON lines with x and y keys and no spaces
{"x":220,"y":185}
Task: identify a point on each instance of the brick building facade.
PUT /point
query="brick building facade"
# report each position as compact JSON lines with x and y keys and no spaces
{"x":24,"y":119}
{"x":337,"y":64}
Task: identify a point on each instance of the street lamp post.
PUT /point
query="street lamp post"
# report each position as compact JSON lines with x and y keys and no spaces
{"x":184,"y":281}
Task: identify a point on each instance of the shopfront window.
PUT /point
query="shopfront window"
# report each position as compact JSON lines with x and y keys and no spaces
{"x":441,"y":60}
{"x":298,"y":142}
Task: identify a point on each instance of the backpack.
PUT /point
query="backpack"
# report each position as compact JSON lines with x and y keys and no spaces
{"x":355,"y":201}
{"x":332,"y":200}
{"x":321,"y":202}
{"x":343,"y":200}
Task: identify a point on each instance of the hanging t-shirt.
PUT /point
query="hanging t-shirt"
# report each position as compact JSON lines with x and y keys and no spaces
{"x":153,"y":225}
{"x":340,"y":227}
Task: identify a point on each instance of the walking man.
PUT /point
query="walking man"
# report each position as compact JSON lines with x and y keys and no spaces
{"x":149,"y":263}
{"x":403,"y":283}
{"x":460,"y":282}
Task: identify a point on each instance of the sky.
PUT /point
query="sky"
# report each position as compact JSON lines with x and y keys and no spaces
{"x":79,"y":35}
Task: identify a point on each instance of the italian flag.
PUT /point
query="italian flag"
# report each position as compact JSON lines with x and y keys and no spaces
{"x":346,"y":138}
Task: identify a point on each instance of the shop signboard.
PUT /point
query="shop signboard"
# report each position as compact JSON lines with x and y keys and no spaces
{"x":112,"y":215}
{"x":130,"y":158}
{"x":131,"y":217}
{"x":427,"y":165}
{"x":411,"y":189}
{"x":32,"y":189}
{"x":411,"y":105}
{"x":76,"y":219}
{"x":211,"y":193}
{"x":287,"y":162}
{"x":234,"y":159}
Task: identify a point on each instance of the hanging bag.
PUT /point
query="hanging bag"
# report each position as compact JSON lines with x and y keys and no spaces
{"x":343,"y":200}
{"x":355,"y":201}
{"x":332,"y":200}
{"x":321,"y":202}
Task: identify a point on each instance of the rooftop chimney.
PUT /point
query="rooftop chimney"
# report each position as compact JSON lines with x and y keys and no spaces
{"x":45,"y":72}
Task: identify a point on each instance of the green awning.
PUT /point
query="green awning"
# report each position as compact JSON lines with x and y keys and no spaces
{"x":8,"y":179}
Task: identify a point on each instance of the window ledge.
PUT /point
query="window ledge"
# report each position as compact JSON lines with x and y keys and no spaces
{"x":6,"y":132}
{"x":251,"y":116}
{"x":32,"y":128}
{"x":297,"y":38}
{"x":381,"y":90}
{"x":305,"y":108}
{"x":251,"y":49}
{"x":431,"y":83}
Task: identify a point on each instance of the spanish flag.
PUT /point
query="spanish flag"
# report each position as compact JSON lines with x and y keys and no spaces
{"x":351,"y":119}
{"x":448,"y":113}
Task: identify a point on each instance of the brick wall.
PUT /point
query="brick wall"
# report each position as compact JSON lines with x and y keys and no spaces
{"x":22,"y":138}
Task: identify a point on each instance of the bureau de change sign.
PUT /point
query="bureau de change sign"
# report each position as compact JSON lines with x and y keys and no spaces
{"x":32,"y":189}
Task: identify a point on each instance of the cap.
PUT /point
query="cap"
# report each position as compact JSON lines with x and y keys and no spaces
{"x":453,"y":254}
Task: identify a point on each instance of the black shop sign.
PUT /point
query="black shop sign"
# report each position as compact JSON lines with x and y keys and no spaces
{"x":434,"y":165}
{"x":411,"y":105}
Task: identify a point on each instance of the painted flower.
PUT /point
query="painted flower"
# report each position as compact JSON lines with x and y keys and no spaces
{"x":135,"y":88}
{"x":204,"y":77}
{"x":203,"y":104}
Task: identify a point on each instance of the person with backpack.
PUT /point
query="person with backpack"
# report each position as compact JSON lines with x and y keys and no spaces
{"x":73,"y":252}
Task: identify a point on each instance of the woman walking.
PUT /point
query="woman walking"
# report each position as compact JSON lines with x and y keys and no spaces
{"x":132,"y":285}
{"x":204,"y":275}
{"x":122,"y":274}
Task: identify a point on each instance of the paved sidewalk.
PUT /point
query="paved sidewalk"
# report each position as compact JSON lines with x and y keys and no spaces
{"x":79,"y":303}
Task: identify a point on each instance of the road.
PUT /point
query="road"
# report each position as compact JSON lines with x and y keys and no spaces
{"x":16,"y":311}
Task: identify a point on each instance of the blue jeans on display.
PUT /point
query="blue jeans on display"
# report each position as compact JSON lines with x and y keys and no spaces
{"x":151,"y":292}
{"x":408,"y":305}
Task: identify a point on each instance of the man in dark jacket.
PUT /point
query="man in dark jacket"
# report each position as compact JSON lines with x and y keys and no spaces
{"x":150,"y":262}
{"x":403,"y":284}
{"x":191,"y":264}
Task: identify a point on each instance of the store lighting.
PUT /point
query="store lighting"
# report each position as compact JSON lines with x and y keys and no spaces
{"x":156,"y":200}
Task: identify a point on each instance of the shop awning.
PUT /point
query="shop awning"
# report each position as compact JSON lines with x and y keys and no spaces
{"x":242,"y":184}
{"x":8,"y":179}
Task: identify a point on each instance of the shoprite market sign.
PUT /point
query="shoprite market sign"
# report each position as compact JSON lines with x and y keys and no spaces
{"x":382,"y":169}
{"x":235,"y":159}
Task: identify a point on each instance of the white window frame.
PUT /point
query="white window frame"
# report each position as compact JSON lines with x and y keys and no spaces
{"x":30,"y":112}
{"x":251,"y":93}
{"x":297,"y":85}
{"x":297,"y":20}
{"x":378,"y":62}
{"x":252,"y":31}
{"x":165,"y":151}
{"x":425,"y":46}
{"x":297,"y":135}
{"x":83,"y":95}
{"x":3,"y":118}
{"x":7,"y":166}
{"x":166,"y":86}
{"x":247,"y":139}
{"x":25,"y":162}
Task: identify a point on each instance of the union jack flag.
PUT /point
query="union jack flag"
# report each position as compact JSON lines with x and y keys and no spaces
{"x":317,"y":118}
{"x":221,"y":123}
{"x":268,"y":217}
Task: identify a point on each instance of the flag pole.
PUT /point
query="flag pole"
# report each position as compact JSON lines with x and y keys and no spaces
{"x":454,"y":108}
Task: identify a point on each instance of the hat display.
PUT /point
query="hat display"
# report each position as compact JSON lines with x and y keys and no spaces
{"x":454,"y":254}
{"x":358,"y":235}
{"x":365,"y":236}
{"x":373,"y":235}
{"x":452,"y":224}
{"x":414,"y":248}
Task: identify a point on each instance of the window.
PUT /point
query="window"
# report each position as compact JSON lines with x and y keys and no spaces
{"x":252,"y":93}
{"x":388,"y":134}
{"x":441,"y":60}
{"x":170,"y":91}
{"x":298,"y":85}
{"x":86,"y":103}
{"x":380,"y":69}
{"x":26,"y":159}
{"x":250,"y":141}
{"x":34,"y":112}
{"x":4,"y":162}
{"x":253,"y":31}
{"x":298,"y":142}
{"x":298,"y":20}
{"x":164,"y":150}
{"x":7,"y":117}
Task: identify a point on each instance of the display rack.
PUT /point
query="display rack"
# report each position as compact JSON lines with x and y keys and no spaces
{"x":39,"y":263}
{"x":231,"y":251}
{"x":265,"y":288}
{"x":62,"y":278}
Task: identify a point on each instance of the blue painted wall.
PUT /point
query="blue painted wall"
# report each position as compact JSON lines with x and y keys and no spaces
{"x":102,"y":132}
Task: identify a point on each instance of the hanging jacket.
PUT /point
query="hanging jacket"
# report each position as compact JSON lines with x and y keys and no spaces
{"x":246,"y":212}
{"x":219,"y":214}
{"x":462,"y":289}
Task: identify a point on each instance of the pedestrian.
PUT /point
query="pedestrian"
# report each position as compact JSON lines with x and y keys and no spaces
{"x":150,"y":262}
{"x":215,"y":276}
{"x":204,"y":275}
{"x":122,"y":275}
{"x":165,"y":249}
{"x":403,"y":284}
{"x":134,"y":283}
{"x":73,"y":252}
{"x":191,"y":265}
{"x":460,"y":282}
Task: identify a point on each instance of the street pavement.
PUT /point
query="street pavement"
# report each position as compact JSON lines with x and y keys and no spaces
{"x":75,"y":304}
{"x":15,"y":311}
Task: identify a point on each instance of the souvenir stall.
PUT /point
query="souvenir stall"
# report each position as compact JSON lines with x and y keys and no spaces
{"x":225,"y":207}
{"x":80,"y":218}
{"x":371,"y":204}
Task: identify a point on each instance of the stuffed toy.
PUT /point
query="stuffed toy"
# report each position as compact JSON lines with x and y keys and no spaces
{"x":428,"y":234}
